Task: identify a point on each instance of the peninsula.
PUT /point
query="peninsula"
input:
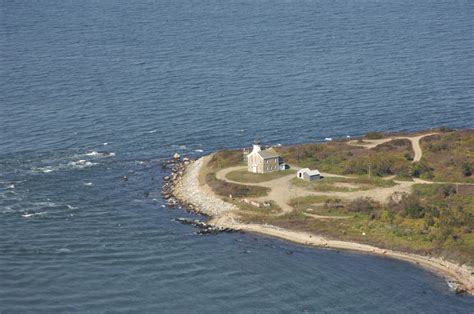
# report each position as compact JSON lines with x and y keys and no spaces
{"x":404,"y":196}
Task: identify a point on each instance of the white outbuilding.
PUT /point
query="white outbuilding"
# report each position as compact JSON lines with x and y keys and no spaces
{"x":308,"y":175}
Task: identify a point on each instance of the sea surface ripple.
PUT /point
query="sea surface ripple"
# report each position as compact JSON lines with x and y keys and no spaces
{"x":92,"y":91}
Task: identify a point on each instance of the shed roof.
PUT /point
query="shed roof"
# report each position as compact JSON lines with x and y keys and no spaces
{"x":314,"y":173}
{"x":310,"y":172}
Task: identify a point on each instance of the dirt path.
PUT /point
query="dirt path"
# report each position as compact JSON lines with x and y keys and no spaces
{"x":326,"y":217}
{"x":282,"y":190}
{"x":415,"y":143}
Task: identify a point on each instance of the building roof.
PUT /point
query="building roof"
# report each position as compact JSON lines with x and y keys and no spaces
{"x":310,"y":172}
{"x":267,"y":154}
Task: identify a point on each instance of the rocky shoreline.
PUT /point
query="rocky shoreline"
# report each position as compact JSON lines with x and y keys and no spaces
{"x":175,"y":196}
{"x":182,"y":188}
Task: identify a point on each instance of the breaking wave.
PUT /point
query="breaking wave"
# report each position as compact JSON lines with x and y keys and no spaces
{"x":100,"y":154}
{"x":29,"y":215}
{"x":81,"y":164}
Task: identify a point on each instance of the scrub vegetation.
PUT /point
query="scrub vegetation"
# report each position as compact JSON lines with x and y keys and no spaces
{"x":391,"y":158}
{"x":447,"y":157}
{"x":434,"y":219}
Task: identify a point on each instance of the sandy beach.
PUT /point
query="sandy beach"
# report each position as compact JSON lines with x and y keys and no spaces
{"x":189,"y":190}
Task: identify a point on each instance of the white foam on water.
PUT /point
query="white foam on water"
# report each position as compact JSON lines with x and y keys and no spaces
{"x":328,"y":139}
{"x":6,"y":210}
{"x":46,"y":204}
{"x":33,"y":214}
{"x":105,"y":144}
{"x":152,"y":131}
{"x":198,"y":150}
{"x":71,"y":207}
{"x":179,"y":146}
{"x":46,"y":169}
{"x":64,"y":250}
{"x":81,"y":164}
{"x":94,"y":154}
{"x":88,"y":183}
{"x":10,"y":186}
{"x":100,"y":154}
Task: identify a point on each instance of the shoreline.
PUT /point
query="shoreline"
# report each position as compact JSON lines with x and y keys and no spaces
{"x":199,"y":198}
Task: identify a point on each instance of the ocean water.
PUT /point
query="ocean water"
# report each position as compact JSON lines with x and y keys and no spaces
{"x":92,"y":91}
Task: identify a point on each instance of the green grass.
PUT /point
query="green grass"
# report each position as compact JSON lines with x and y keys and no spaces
{"x":245,"y":176}
{"x":225,"y":189}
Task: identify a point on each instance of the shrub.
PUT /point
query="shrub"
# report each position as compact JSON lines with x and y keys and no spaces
{"x":406,"y":204}
{"x":446,"y":190}
{"x":362,"y":205}
{"x":333,"y":203}
{"x":226,"y":158}
{"x":467,"y":169}
{"x":445,"y":129}
{"x":374,"y":135}
{"x":419,"y":169}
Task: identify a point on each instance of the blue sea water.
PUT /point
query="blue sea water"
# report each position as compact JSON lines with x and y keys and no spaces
{"x":141,"y":80}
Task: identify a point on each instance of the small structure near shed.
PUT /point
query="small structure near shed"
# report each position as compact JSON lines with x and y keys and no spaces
{"x":308,"y":175}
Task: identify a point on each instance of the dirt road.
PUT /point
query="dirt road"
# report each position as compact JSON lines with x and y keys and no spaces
{"x":282,"y":190}
{"x":415,"y":143}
